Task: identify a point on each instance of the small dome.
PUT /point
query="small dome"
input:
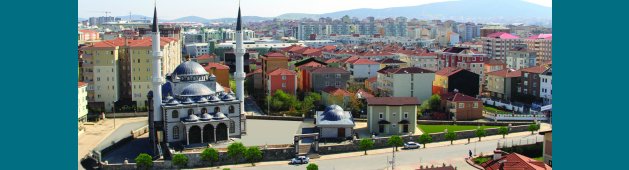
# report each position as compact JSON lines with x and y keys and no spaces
{"x":173,"y":102}
{"x":206,"y":116}
{"x":190,"y":68}
{"x":202,"y":100}
{"x":213,"y":98}
{"x":228,"y":97}
{"x":220,"y":115}
{"x":187,"y":101}
{"x":334,"y":113}
{"x":192,"y":118}
{"x":196,"y":90}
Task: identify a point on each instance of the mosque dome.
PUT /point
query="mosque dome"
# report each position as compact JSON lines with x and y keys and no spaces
{"x":334,"y":113}
{"x":206,"y":116}
{"x":192,"y":118}
{"x":189,"y":68}
{"x":228,"y":97}
{"x":213,"y":98}
{"x":196,"y":90}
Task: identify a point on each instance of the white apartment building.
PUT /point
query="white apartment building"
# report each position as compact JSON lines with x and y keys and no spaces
{"x":406,"y":82}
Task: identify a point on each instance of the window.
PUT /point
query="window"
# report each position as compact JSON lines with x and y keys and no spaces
{"x":461,"y":105}
{"x":381,"y":128}
{"x":283,"y":77}
{"x":203,"y":110}
{"x":405,"y":115}
{"x":232,"y":126}
{"x":175,"y":114}
{"x":475,"y":105}
{"x":217,"y":109}
{"x":231,"y":109}
{"x":381,"y":116}
{"x":176,"y":132}
{"x":190,"y":112}
{"x":283,"y":85}
{"x":338,"y":76}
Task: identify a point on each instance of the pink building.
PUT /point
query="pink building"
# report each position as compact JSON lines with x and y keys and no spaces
{"x":282,"y":79}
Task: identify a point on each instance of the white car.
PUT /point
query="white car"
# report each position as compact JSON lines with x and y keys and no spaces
{"x":411,"y":145}
{"x":300,"y":160}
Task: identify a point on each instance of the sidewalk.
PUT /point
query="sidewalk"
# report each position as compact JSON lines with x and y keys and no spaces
{"x":94,"y":134}
{"x":496,"y":138}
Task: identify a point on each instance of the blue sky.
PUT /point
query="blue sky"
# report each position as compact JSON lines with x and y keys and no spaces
{"x":172,"y":9}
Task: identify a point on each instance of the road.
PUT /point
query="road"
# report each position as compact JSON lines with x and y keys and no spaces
{"x":96,"y":135}
{"x":252,"y":107}
{"x":408,"y":159}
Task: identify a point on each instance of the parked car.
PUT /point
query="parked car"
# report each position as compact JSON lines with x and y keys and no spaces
{"x":411,"y":145}
{"x":300,"y":160}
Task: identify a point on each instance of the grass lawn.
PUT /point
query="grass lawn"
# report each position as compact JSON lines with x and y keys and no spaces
{"x":481,"y":160}
{"x":441,"y":128}
{"x":495,"y":110}
{"x":541,"y":158}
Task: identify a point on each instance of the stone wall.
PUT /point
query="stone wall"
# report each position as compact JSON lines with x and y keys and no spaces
{"x":124,"y":115}
{"x":441,"y":122}
{"x":289,"y":118}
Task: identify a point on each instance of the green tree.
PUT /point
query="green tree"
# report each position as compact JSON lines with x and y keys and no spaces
{"x":209,"y":155}
{"x":365,"y":144}
{"x":451,"y":136}
{"x":533,"y":128}
{"x":235,"y":151}
{"x":253,"y":155}
{"x":434,"y":102}
{"x":355,"y":105}
{"x":312,"y":166}
{"x":503,"y":131}
{"x":424,"y":139}
{"x":144,"y":161}
{"x":180,"y":160}
{"x":480,"y":132}
{"x":395,"y":141}
{"x":232,"y":84}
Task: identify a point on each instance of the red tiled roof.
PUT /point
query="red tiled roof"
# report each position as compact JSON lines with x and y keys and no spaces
{"x":332,"y":60}
{"x":144,"y":42}
{"x":329,"y":70}
{"x":372,"y":79}
{"x":537,"y":69}
{"x":218,"y":66}
{"x":292,"y":48}
{"x":310,"y":64}
{"x":507,"y":72}
{"x":364,"y":94}
{"x":328,"y":48}
{"x":336,"y":91}
{"x":281,"y":71}
{"x":349,"y":59}
{"x":389,"y":60}
{"x":405,"y":70}
{"x":205,"y":57}
{"x":515,"y":161}
{"x":275,"y":54}
{"x":259,"y":70}
{"x":81,"y":84}
{"x":502,"y":35}
{"x":458,"y":97}
{"x":448,"y":71}
{"x":363,"y":61}
{"x":88,"y":31}
{"x":311,"y":51}
{"x":393,"y":101}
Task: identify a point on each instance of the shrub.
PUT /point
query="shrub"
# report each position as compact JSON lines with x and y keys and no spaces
{"x":480,"y":133}
{"x":365,"y":144}
{"x":425,"y":138}
{"x":312,"y":166}
{"x":180,"y":160}
{"x":209,"y":155}
{"x":503,"y":131}
{"x":451,"y":136}
{"x":395,"y":141}
{"x":235,"y":151}
{"x":253,"y":154}
{"x":144,"y":161}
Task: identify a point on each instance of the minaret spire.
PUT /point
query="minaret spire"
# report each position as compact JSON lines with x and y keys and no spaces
{"x":154,"y":28}
{"x":239,"y":52}
{"x":239,"y":19}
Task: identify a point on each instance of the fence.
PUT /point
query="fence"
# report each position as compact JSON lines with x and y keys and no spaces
{"x":508,"y":106}
{"x":514,"y":117}
{"x":127,"y":114}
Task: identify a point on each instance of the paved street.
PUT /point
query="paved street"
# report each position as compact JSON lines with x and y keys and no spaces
{"x":252,"y":107}
{"x":95,"y":134}
{"x":435,"y":154}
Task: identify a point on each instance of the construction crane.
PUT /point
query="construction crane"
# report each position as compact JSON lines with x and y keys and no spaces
{"x":106,"y":12}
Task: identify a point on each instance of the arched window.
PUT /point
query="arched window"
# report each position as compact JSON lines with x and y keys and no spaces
{"x":231,"y":109}
{"x":176,"y":132}
{"x":203,"y":110}
{"x":190,"y":112}
{"x":232,"y":126}
{"x":175,"y":114}
{"x":217,"y":109}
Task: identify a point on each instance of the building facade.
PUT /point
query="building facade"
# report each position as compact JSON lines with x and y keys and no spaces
{"x":450,"y":79}
{"x":406,"y":82}
{"x":82,"y":102}
{"x":520,"y":58}
{"x":334,"y":122}
{"x":392,"y":115}
{"x":546,"y":86}
{"x":461,"y":106}
{"x":496,"y":45}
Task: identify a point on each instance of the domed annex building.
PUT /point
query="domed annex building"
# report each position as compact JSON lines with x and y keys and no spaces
{"x":334,"y":122}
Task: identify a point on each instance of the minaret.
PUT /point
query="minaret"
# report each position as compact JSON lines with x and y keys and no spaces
{"x":157,"y":70}
{"x":239,"y":75}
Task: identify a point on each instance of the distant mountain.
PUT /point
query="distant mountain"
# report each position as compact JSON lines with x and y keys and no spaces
{"x":298,"y":16}
{"x":190,"y":19}
{"x":82,"y":19}
{"x":456,"y":9}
